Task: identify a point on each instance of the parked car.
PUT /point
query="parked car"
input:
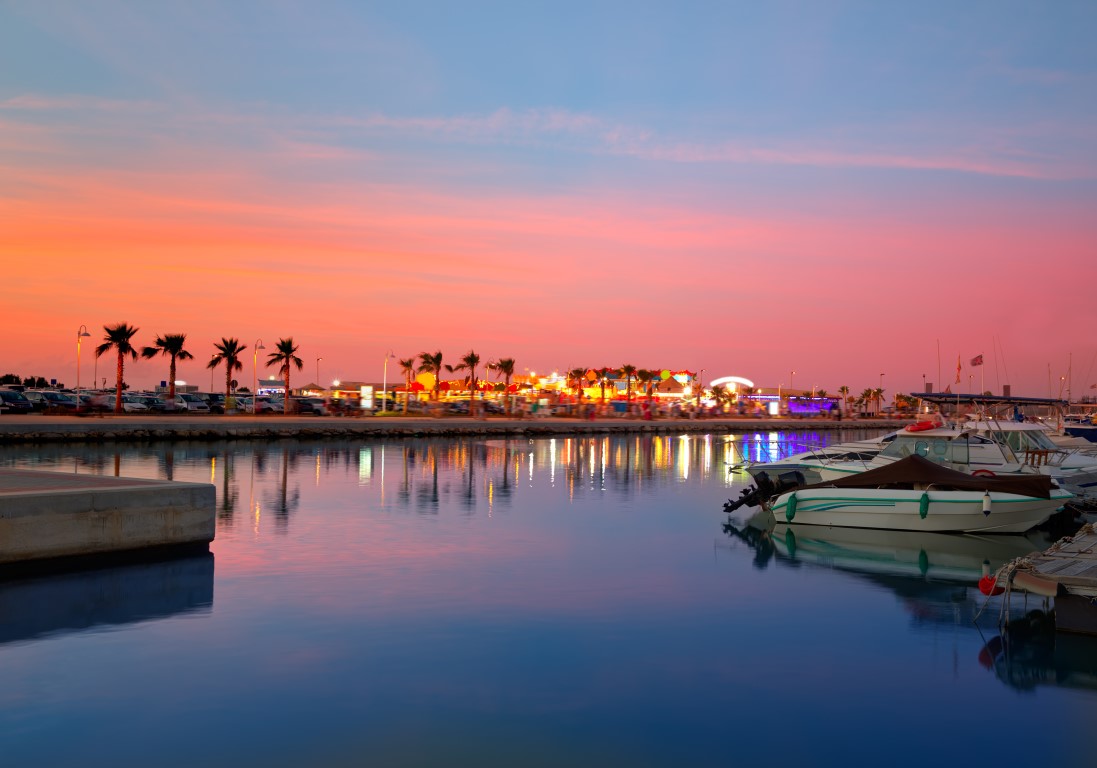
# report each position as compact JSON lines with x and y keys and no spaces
{"x":134,"y":404}
{"x":193,"y":402}
{"x":216,"y":402}
{"x":14,"y":402}
{"x":50,"y":401}
{"x":184,"y":402}
{"x":257,"y":405}
{"x":313,"y":405}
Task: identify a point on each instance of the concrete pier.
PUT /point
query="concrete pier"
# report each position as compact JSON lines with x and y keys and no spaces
{"x":45,"y":515}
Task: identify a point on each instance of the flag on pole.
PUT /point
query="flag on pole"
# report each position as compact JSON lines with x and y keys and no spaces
{"x":958,"y":369}
{"x":977,"y":360}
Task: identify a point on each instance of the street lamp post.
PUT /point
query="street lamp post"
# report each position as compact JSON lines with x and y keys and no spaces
{"x":254,"y":376}
{"x":880,"y":397}
{"x":81,"y":333}
{"x":318,"y":370}
{"x":385,"y":380}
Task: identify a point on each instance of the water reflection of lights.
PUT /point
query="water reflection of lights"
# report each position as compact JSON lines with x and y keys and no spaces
{"x":365,"y":465}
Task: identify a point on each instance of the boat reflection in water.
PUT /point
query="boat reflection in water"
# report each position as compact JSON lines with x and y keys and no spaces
{"x":935,"y":575}
{"x":76,"y":601}
{"x":1029,"y":653}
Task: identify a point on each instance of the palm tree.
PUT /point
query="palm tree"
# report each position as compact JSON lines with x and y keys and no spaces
{"x":576,"y":377}
{"x":429,"y":363}
{"x":720,"y":395}
{"x":844,"y":392}
{"x":867,"y":396}
{"x":469,"y":363}
{"x":646,"y":377}
{"x":504,"y":367}
{"x":408,"y":367}
{"x":285,"y":357}
{"x":602,"y":381}
{"x":118,"y":338}
{"x":878,"y":396}
{"x":170,"y":344}
{"x":228,"y":352}
{"x":628,"y":371}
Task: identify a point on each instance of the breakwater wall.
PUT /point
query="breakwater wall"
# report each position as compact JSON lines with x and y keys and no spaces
{"x":68,"y":429}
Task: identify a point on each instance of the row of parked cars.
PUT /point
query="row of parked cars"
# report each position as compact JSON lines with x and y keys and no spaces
{"x":16,"y":400}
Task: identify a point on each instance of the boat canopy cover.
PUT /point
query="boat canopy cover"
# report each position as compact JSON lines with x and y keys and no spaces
{"x":916,"y":470}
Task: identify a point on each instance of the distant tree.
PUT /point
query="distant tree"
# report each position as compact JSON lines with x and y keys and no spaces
{"x":432,"y":363}
{"x":469,"y":363}
{"x":602,"y":373}
{"x":844,"y":392}
{"x":119,"y":338}
{"x":504,"y":367}
{"x":228,"y":352}
{"x":577,"y":378}
{"x":10,"y":378}
{"x":628,"y":371}
{"x":408,"y":367}
{"x":285,"y":357}
{"x":169,"y":345}
{"x":646,"y":377}
{"x":34,"y":381}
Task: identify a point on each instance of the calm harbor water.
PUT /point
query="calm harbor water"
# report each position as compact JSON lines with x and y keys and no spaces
{"x":516,"y":602}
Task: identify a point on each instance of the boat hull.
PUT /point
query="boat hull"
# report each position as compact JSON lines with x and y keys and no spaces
{"x":899,"y":510}
{"x":1087,"y":431}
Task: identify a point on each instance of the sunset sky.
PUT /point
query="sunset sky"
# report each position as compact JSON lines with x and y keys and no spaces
{"x":840,"y":189}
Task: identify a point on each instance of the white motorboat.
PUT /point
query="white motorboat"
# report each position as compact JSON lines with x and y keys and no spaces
{"x":959,"y":449}
{"x":916,"y":494}
{"x":1032,"y":442}
{"x":813,"y":463}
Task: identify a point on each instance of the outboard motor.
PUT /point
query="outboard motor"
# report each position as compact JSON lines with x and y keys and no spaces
{"x":766,"y":489}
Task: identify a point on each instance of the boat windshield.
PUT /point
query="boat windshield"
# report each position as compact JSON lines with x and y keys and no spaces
{"x":939,"y":449}
{"x":1021,"y":440}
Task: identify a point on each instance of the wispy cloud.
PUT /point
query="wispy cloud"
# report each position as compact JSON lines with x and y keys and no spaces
{"x":1010,"y":151}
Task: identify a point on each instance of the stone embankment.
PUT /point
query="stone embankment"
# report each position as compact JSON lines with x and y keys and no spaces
{"x":128,"y":428}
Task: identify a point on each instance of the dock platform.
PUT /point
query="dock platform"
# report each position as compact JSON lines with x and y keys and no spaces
{"x":1067,"y":571}
{"x":46,"y":516}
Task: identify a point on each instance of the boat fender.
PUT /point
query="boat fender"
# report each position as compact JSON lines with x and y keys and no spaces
{"x":923,"y":562}
{"x":922,"y":426}
{"x":790,"y":507}
{"x":1036,"y":583}
{"x":923,"y":505}
{"x":983,"y":473}
{"x":986,"y":503}
{"x":988,"y":585}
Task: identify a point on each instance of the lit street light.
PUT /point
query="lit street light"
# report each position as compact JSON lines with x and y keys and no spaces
{"x":81,"y":333}
{"x":254,"y":377}
{"x":318,"y":370}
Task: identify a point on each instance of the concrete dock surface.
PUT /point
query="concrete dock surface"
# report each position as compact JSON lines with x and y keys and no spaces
{"x":46,"y":515}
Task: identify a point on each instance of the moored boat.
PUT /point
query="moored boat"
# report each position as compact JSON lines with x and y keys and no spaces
{"x":916,"y":494}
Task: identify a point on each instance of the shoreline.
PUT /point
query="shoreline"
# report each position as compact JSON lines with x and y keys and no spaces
{"x":29,"y":430}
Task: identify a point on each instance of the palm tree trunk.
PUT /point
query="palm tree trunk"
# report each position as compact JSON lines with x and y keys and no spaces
{"x":285,"y":400}
{"x":171,"y":379}
{"x":118,"y":386}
